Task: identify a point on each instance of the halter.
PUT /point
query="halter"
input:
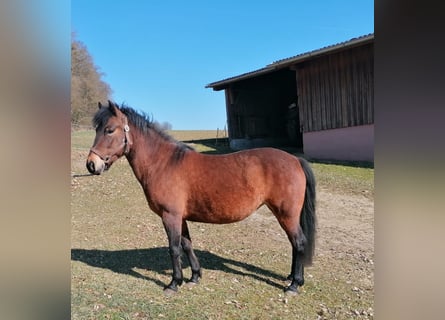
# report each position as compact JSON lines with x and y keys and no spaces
{"x":127,"y":143}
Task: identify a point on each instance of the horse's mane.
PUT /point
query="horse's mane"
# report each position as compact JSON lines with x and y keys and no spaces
{"x":143,"y":122}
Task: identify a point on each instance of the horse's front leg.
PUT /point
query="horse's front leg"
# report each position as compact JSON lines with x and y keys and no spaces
{"x":172,"y":224}
{"x":186,"y":243}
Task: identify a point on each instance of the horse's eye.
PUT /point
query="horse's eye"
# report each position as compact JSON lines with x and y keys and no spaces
{"x":109,"y":131}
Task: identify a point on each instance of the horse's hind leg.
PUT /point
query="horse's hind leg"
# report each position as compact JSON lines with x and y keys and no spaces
{"x":291,"y":225}
{"x":296,"y":275}
{"x":188,"y":249}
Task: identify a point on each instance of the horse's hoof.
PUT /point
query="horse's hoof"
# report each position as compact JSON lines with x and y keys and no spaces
{"x":169,"y":292}
{"x":291,"y":293}
{"x":291,"y":290}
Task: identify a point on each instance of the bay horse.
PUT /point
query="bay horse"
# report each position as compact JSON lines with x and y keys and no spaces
{"x":183,"y":185}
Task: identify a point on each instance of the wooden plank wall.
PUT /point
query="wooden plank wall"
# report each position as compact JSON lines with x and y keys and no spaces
{"x":337,"y":90}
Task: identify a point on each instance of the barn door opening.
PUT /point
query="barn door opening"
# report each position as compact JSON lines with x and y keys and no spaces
{"x":293,"y":126}
{"x":292,"y":116}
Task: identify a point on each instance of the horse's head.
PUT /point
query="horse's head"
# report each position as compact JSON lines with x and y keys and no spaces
{"x":112,"y":140}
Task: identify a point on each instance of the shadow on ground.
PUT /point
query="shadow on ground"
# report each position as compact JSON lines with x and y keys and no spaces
{"x":158,"y":260}
{"x":219,"y":146}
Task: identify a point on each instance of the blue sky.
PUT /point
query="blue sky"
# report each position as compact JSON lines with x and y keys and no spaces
{"x":158,"y":55}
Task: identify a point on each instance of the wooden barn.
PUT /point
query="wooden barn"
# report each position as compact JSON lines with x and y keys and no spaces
{"x":320,"y":102}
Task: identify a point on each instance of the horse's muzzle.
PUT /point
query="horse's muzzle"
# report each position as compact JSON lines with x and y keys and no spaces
{"x":95,"y":165}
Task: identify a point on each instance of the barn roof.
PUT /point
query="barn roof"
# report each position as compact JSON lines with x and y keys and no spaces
{"x":283,"y":63}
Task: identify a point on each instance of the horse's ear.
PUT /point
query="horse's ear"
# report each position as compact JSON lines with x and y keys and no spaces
{"x":113,"y":107}
{"x":112,"y":104}
{"x":99,"y":105}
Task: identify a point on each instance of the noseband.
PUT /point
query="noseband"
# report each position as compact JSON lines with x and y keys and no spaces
{"x":126,"y":145}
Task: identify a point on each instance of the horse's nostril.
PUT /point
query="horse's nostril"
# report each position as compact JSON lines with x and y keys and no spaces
{"x":90,"y":166}
{"x":107,"y":158}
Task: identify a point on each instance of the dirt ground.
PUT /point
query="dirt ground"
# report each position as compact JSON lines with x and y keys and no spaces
{"x":345,"y":222}
{"x":346,"y":233}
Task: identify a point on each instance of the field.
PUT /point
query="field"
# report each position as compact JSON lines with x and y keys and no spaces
{"x":120,"y":260}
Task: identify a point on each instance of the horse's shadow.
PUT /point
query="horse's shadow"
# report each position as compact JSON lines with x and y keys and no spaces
{"x":158,"y":260}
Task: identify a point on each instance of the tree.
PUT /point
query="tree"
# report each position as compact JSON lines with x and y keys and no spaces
{"x":87,"y":87}
{"x":166,"y":126}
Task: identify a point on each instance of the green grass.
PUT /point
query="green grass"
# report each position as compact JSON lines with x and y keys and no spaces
{"x":344,"y":178}
{"x":120,"y":261}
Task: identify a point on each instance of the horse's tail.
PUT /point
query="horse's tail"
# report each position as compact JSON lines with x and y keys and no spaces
{"x":308,"y":218}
